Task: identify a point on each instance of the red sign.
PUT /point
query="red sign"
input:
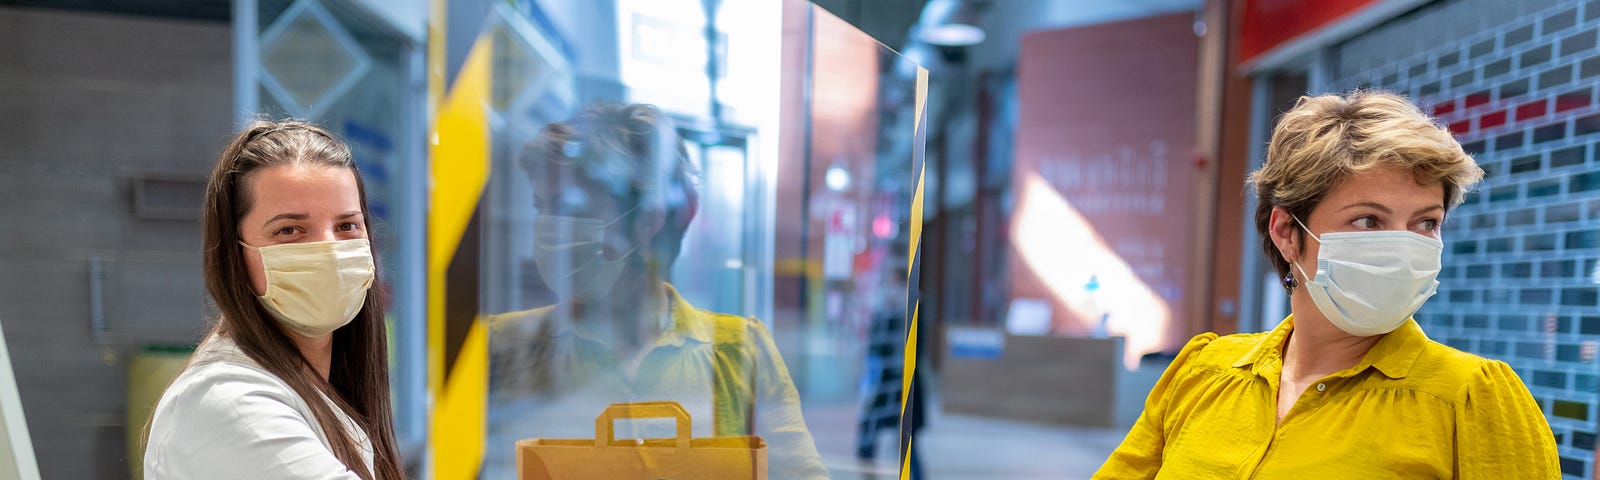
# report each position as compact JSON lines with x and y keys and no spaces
{"x":1268,"y":24}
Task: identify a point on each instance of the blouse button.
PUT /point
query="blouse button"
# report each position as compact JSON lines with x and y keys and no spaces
{"x":1322,"y":387}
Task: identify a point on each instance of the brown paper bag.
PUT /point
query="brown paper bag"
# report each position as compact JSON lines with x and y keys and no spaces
{"x":606,"y":458}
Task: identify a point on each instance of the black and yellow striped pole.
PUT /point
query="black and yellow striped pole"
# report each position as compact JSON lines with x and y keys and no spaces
{"x":913,"y":273}
{"x":459,"y":155}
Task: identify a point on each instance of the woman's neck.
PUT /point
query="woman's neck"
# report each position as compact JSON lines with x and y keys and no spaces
{"x":318,"y":352}
{"x":1317,"y":348}
{"x":629,"y":316}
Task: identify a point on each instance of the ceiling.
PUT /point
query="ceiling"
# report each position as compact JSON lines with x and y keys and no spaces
{"x":206,"y":10}
{"x":885,"y":20}
{"x":889,"y":21}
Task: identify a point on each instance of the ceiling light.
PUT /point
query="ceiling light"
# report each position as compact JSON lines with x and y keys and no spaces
{"x":952,"y":35}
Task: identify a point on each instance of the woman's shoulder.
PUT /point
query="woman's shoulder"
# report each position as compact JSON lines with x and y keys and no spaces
{"x":217,"y":380}
{"x":1453,"y":374}
{"x":211,"y":402}
{"x":1445,"y":355}
{"x":516,"y":328}
{"x":1240,"y":343}
{"x":517,"y":318}
{"x":221,"y":415}
{"x":1212,"y":351}
{"x":216,"y":387}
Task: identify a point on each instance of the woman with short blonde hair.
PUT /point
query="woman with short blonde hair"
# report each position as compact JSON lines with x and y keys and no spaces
{"x":1353,"y":195}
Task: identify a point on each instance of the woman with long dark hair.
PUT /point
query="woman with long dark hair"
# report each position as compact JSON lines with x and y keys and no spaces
{"x":292,"y":380}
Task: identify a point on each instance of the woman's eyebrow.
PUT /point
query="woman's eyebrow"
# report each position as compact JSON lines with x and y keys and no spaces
{"x":1386,"y":211}
{"x":1372,"y":205}
{"x":283,"y":216}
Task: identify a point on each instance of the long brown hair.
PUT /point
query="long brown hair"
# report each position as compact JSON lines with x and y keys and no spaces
{"x":358,"y":379}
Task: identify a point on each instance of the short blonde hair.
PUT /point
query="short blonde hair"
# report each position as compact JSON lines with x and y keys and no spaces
{"x":1325,"y":139}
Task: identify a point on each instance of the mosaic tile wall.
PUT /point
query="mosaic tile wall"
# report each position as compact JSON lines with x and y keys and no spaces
{"x":1516,"y":81}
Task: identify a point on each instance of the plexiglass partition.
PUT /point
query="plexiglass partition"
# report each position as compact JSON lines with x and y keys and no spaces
{"x":671,"y":238}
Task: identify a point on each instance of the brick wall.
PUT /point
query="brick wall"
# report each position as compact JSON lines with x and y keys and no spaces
{"x":1516,"y":81}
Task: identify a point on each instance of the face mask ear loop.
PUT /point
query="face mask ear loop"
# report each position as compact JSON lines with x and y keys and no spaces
{"x":622,"y":216}
{"x":614,"y":221}
{"x":1308,"y":230}
{"x":1302,"y":273}
{"x":1313,"y":236}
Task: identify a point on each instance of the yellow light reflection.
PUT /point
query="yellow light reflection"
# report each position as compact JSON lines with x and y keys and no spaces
{"x":1065,"y":252}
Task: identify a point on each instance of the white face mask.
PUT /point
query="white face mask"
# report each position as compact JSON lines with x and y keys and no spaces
{"x":1369,"y":283}
{"x":570,"y":255}
{"x":315,"y":288}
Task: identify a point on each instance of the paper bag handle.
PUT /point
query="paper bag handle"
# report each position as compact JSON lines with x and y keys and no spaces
{"x":604,"y":425}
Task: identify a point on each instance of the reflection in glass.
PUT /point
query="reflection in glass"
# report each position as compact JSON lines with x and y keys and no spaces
{"x":613,"y":193}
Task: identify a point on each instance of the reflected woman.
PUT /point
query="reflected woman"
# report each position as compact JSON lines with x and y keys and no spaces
{"x":293,"y":380}
{"x":1353,"y":197}
{"x":614,"y":193}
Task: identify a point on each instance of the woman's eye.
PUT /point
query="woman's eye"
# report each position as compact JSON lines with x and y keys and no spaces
{"x":349,"y":227}
{"x":284,"y":231}
{"x":1430,"y":225}
{"x":1365,"y":222}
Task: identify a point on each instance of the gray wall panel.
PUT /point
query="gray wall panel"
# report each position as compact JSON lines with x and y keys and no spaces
{"x":88,"y":104}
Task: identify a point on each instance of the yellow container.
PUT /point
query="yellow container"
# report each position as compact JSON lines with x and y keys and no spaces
{"x":149,"y":373}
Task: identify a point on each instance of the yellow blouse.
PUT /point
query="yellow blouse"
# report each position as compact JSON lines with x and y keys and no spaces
{"x":1412,"y":408}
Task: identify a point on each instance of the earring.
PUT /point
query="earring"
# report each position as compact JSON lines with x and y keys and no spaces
{"x":1289,"y":282}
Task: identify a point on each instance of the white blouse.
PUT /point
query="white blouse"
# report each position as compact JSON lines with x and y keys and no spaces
{"x":227,"y":417}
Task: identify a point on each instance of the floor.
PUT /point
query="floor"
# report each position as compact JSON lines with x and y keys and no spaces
{"x":962,"y":447}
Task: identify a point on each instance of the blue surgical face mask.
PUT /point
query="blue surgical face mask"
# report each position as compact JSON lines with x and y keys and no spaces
{"x":1368,"y":283}
{"x":569,"y":253}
